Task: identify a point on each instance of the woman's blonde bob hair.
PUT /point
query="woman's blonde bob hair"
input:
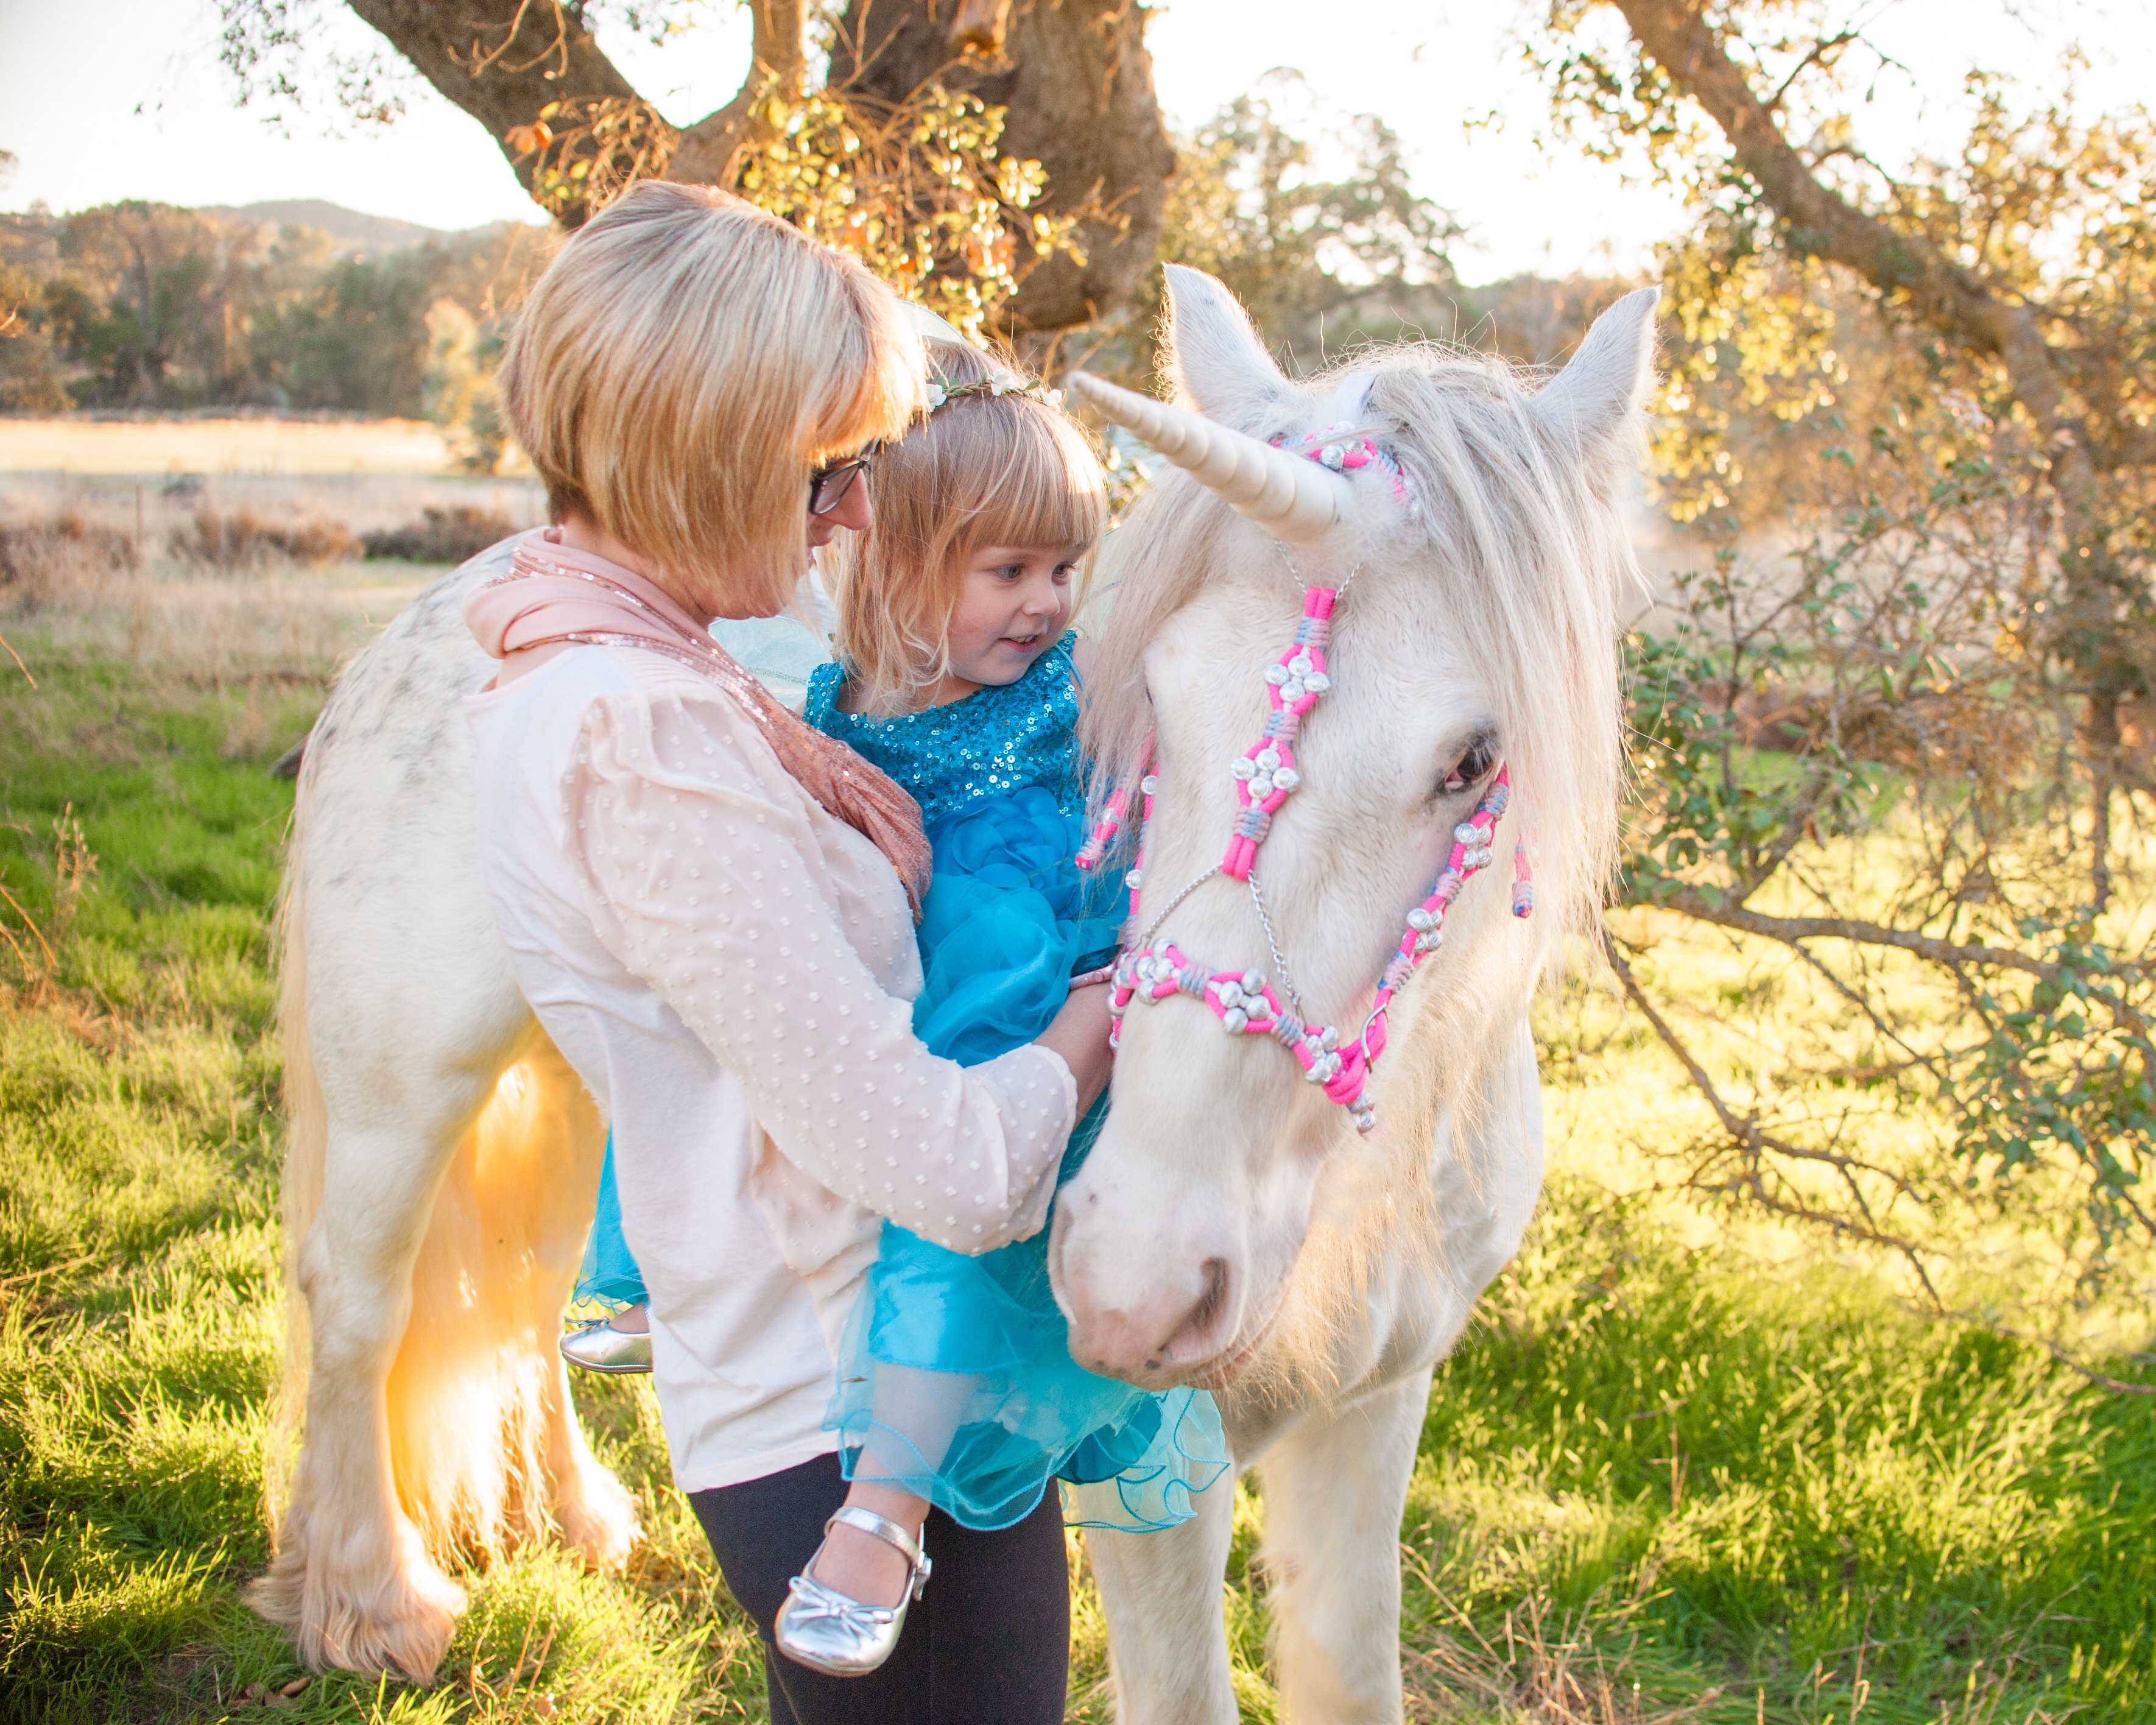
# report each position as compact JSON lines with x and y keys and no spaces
{"x":1005,"y":470}
{"x":679,"y":369}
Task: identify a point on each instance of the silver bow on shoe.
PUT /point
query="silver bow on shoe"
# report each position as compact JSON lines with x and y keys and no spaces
{"x":826,"y":1631}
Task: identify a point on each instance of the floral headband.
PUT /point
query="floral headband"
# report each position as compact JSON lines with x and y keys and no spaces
{"x":940,"y":394}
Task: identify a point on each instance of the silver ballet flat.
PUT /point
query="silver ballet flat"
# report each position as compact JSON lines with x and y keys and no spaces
{"x":823,"y":1629}
{"x":600,"y":1347}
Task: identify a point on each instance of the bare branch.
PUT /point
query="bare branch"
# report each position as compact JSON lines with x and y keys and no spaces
{"x":1790,"y":930}
{"x":1820,"y":49}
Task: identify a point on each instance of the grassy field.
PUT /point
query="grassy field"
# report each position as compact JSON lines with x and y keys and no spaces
{"x":1664,"y":1480}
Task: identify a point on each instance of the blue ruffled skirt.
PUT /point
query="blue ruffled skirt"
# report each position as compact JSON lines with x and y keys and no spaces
{"x":609,"y":1276}
{"x":954,"y":1377}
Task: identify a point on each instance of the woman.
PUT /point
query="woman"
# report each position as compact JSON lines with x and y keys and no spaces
{"x":711,"y":907}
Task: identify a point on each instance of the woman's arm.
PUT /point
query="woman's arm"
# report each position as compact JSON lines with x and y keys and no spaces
{"x":696,"y":853}
{"x":1079,"y":1035}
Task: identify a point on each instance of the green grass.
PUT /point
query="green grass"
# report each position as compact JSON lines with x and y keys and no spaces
{"x":1659,"y":1482}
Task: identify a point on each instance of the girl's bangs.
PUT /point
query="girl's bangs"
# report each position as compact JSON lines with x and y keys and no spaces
{"x":1046,"y":489}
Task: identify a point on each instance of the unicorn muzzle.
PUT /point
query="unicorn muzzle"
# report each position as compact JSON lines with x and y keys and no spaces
{"x":1149,"y":1312}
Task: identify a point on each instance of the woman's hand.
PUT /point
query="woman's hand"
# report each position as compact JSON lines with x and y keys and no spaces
{"x":1080,"y":1034}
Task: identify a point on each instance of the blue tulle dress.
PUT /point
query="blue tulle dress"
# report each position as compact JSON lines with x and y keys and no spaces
{"x":954,"y":1377}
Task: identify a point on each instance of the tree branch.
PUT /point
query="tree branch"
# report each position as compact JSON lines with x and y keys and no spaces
{"x":501,"y":61}
{"x":778,"y":67}
{"x":1076,"y":84}
{"x":1790,"y":930}
{"x":1818,"y":223}
{"x":1072,"y":75}
{"x":1960,"y":304}
{"x":1746,"y":1137}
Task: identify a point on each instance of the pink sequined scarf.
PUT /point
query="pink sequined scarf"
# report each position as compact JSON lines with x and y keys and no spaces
{"x":554,"y":592}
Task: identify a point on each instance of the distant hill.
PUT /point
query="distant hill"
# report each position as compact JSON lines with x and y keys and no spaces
{"x":353,"y":230}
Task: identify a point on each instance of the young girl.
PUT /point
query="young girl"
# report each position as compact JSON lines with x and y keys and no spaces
{"x":954,"y":675}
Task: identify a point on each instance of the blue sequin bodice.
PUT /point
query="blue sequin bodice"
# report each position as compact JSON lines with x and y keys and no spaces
{"x":998,"y":739}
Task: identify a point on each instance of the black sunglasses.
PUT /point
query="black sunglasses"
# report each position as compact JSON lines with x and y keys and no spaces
{"x":827,"y":485}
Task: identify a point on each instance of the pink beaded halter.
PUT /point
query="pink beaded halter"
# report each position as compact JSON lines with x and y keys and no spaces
{"x":1154,"y":969}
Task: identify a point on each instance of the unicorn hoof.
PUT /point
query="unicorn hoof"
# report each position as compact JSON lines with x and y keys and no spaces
{"x":600,"y":1347}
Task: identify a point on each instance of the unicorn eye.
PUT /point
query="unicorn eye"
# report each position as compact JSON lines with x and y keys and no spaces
{"x":1475,"y":764}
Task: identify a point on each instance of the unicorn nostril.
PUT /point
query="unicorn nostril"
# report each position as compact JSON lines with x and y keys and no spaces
{"x":1200,"y":1334}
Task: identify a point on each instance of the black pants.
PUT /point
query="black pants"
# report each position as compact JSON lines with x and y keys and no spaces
{"x":988,"y":1643}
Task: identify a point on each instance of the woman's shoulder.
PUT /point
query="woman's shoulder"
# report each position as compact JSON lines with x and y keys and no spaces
{"x":557,"y":691}
{"x":624,"y":700}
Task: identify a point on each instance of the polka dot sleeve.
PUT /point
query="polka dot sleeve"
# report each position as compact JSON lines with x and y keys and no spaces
{"x":706,"y":878}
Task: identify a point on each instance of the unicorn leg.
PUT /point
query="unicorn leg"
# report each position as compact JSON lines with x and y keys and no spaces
{"x":440,"y":1165}
{"x":351,"y":1577}
{"x":597,"y":1518}
{"x":1168,"y":1639}
{"x":1334,"y":1486}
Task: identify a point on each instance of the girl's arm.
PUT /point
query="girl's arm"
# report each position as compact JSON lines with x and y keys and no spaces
{"x":699,"y":862}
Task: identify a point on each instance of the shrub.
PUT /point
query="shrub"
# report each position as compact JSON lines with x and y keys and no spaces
{"x":244,"y":540}
{"x":442,"y":536}
{"x":40,"y":560}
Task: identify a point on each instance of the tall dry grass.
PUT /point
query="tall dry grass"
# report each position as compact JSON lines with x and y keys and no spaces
{"x":230,"y":598}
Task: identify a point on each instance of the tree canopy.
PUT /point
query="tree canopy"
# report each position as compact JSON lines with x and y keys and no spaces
{"x":1002,"y":159}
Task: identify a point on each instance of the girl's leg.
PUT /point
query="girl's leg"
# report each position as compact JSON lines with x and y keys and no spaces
{"x":988,"y":1641}
{"x":862,"y":1567}
{"x":915,"y":1415}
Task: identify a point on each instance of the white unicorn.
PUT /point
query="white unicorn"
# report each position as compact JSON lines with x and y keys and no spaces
{"x":1233,"y":1227}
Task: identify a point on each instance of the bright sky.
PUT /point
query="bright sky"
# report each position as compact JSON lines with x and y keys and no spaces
{"x":108,"y":99}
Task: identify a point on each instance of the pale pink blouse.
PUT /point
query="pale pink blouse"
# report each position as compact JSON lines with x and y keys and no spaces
{"x":720,"y":959}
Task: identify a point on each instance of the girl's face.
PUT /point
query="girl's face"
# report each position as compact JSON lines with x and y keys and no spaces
{"x":1014,"y":604}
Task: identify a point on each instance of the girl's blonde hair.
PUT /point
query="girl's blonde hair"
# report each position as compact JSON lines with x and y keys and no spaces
{"x":679,"y":369}
{"x":983,"y":470}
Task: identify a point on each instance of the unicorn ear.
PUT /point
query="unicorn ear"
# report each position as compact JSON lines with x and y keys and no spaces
{"x":1594,"y":404}
{"x":1213,"y":357}
{"x":928,"y":326}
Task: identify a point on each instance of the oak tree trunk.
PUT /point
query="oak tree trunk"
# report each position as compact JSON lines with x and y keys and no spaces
{"x":1076,"y":84}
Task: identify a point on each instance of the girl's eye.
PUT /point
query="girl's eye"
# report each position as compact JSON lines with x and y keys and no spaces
{"x":1063,"y":573}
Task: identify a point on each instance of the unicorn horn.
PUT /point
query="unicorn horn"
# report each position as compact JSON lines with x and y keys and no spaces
{"x":1289,"y":497}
